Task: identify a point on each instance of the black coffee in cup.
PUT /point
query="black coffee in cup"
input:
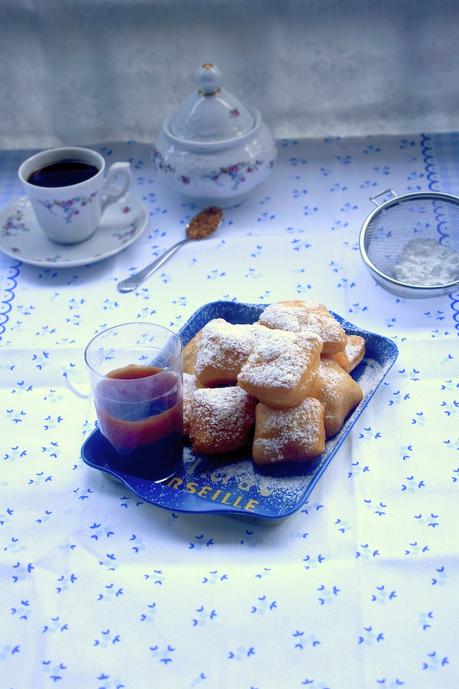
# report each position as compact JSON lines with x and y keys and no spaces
{"x":63,"y":173}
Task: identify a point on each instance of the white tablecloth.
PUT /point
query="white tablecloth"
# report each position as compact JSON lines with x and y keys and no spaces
{"x":358,"y":589}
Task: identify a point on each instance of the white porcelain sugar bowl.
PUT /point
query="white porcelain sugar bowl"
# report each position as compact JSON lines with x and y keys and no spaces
{"x":214,"y":150}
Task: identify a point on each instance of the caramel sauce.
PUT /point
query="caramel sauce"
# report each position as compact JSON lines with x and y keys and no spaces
{"x":143,"y":416}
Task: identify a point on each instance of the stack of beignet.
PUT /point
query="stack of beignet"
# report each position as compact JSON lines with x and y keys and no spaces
{"x":285,"y":377}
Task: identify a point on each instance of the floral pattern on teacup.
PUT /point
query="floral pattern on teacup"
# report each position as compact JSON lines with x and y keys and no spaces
{"x":14,"y":224}
{"x":70,"y":207}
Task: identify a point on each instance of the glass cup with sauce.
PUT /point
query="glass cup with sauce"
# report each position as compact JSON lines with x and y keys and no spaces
{"x":135,"y":371}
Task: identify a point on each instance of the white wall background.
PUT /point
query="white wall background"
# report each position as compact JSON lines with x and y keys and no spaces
{"x":81,"y":71}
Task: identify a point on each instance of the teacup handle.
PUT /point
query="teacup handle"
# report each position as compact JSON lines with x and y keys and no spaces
{"x":117,"y":183}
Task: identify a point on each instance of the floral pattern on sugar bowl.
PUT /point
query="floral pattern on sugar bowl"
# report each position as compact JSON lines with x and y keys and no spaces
{"x":228,"y":177}
{"x":236,"y":173}
{"x":214,"y":150}
{"x":70,"y":207}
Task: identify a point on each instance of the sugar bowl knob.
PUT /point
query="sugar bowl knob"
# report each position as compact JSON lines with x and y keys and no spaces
{"x":209,"y":78}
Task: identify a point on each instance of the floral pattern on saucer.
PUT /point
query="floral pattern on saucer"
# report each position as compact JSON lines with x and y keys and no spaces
{"x":14,"y":224}
{"x":22,"y":238}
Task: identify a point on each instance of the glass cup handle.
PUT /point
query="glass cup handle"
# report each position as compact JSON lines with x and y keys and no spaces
{"x":82,"y":391}
{"x":117,"y":183}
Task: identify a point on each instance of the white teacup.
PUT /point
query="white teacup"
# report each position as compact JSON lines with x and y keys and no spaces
{"x":70,"y":213}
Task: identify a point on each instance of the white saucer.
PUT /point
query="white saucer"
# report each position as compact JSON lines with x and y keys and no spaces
{"x":21,"y":236}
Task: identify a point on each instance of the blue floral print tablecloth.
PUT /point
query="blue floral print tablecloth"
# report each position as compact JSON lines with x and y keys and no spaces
{"x":359,"y":588}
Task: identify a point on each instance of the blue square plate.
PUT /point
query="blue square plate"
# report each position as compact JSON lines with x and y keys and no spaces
{"x":236,"y":485}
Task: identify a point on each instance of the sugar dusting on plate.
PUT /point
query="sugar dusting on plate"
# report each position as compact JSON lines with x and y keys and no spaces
{"x":243,"y":477}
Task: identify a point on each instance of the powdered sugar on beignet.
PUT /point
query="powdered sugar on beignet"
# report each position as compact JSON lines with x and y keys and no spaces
{"x":303,"y":316}
{"x":338,"y":392}
{"x":190,"y":352}
{"x":353,"y":353}
{"x":221,"y":419}
{"x":281,"y":369}
{"x":287,"y":315}
{"x":223,"y":349}
{"x":190,"y":385}
{"x":294,"y":434}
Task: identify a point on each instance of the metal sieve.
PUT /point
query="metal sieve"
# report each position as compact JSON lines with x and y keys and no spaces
{"x":402,"y":225}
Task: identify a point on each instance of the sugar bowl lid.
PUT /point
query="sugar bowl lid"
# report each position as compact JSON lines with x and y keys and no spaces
{"x":211,"y":113}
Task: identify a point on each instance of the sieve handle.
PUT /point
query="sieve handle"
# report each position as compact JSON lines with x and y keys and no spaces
{"x":382,"y":193}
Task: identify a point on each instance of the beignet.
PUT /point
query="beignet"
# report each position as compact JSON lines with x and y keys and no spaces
{"x":221,"y":419}
{"x":223,"y":349}
{"x":190,"y":385}
{"x":305,"y":316}
{"x":353,"y":353}
{"x":294,"y":434}
{"x":338,"y":392}
{"x":281,"y":369}
{"x":190,"y":352}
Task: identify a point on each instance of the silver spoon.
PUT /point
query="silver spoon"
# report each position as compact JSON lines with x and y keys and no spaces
{"x":201,"y":226}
